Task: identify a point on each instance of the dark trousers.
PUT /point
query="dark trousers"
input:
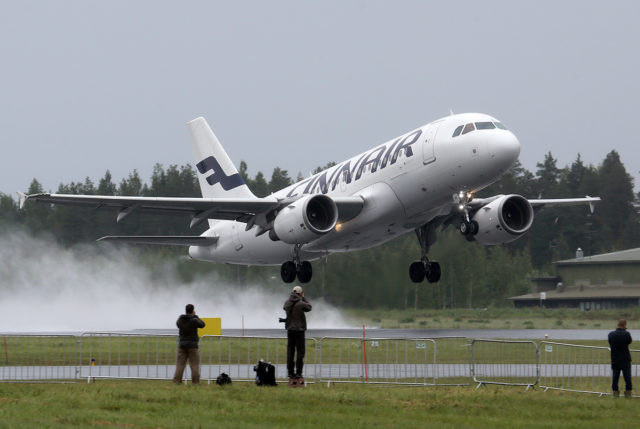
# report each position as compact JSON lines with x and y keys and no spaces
{"x":193,"y":356}
{"x":295,"y":345}
{"x":615,"y":376}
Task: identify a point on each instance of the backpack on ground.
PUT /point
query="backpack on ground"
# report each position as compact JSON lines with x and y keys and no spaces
{"x":223,"y":379}
{"x":265,"y":374}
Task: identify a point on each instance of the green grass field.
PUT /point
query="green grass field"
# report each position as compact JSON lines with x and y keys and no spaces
{"x":496,"y":318}
{"x":161,"y":350}
{"x":149,"y":404}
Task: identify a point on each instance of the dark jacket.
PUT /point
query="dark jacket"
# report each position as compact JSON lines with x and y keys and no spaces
{"x":295,"y":307}
{"x":188,"y":325}
{"x":619,"y":341}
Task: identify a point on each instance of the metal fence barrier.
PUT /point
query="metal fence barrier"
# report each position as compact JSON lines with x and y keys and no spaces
{"x":514,"y":363}
{"x":377,"y":360}
{"x":578,"y":368}
{"x":118,"y":355}
{"x":236,"y":356}
{"x":109,"y":355}
{"x":426,"y":361}
{"x":39,"y":357}
{"x":453,"y":356}
{"x":413,"y":361}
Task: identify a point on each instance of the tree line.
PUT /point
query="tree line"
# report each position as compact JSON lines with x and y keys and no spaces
{"x":473,"y":275}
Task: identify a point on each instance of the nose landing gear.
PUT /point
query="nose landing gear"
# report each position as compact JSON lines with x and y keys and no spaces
{"x":468,"y":227}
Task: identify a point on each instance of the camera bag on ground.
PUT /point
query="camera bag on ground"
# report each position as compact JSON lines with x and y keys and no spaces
{"x":223,"y":379}
{"x":265,"y":374}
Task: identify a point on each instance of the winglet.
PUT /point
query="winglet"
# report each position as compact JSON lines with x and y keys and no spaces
{"x":592,"y":206}
{"x":21,"y":199}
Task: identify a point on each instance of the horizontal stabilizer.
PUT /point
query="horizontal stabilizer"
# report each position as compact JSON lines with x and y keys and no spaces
{"x":175,"y":240}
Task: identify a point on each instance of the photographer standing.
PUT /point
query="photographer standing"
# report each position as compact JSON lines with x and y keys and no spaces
{"x":188,"y":325}
{"x":296,"y":324}
{"x":619,"y":341}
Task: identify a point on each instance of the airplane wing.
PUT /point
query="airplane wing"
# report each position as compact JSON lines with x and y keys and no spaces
{"x":239,"y":209}
{"x":195,"y":240}
{"x":540,"y":203}
{"x":253,"y":211}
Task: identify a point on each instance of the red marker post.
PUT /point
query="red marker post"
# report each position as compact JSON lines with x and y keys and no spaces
{"x":364,"y":350}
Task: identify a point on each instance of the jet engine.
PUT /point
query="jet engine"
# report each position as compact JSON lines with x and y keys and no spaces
{"x":305,"y":219}
{"x":503,"y":220}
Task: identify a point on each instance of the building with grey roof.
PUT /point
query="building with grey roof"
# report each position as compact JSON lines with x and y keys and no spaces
{"x":610,"y":280}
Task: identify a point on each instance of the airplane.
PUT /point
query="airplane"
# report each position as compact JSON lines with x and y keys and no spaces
{"x":423,"y":180}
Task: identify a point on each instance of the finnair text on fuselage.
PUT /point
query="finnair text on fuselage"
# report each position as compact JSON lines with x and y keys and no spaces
{"x":386,"y":154}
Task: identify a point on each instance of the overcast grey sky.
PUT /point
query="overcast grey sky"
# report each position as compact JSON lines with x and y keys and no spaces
{"x":88,"y":86}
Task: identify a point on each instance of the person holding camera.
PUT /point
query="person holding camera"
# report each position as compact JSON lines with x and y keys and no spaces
{"x":619,"y":341}
{"x":296,"y":324}
{"x":188,"y":325}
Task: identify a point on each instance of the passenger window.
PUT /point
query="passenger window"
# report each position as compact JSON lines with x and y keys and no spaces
{"x":468,"y":128}
{"x":500,"y":125}
{"x":456,"y":133}
{"x":484,"y":126}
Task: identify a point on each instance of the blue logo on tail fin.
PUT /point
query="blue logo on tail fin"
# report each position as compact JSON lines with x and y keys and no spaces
{"x":219,"y":176}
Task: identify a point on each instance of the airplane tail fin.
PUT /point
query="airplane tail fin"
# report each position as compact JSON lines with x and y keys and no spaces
{"x":217,"y":175}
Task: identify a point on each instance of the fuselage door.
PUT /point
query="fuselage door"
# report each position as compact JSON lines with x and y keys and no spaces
{"x":428,"y":151}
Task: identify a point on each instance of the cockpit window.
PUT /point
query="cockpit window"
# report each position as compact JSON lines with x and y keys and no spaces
{"x":468,"y":128}
{"x":456,"y":133}
{"x":485,"y":125}
{"x":500,"y":125}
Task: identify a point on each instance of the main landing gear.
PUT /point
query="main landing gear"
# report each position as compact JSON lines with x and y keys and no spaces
{"x":419,"y":270}
{"x":302,"y":269}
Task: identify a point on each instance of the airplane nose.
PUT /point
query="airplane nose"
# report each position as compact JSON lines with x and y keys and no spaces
{"x":512,"y":147}
{"x":505,"y":149}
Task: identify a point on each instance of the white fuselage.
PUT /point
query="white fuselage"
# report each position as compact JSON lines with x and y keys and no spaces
{"x":405,"y":182}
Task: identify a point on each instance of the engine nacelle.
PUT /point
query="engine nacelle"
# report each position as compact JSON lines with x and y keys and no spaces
{"x":306,"y":219}
{"x":503,"y":220}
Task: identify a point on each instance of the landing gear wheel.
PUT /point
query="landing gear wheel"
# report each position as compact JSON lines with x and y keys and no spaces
{"x":468,"y":229}
{"x":416,"y":271}
{"x":288,"y":272}
{"x":465,"y":228}
{"x":304,"y":272}
{"x":433,"y":272}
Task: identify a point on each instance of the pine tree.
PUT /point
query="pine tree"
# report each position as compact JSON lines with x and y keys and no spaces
{"x":619,"y":217}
